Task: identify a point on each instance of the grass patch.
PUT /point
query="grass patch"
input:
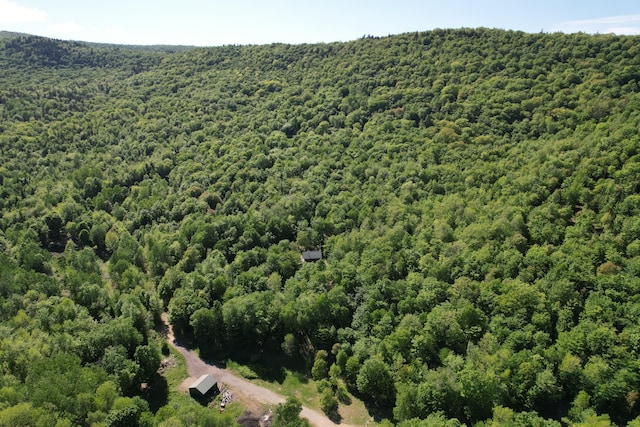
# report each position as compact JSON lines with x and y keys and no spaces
{"x":242,"y":370}
{"x":178,"y":373}
{"x":295,"y":383}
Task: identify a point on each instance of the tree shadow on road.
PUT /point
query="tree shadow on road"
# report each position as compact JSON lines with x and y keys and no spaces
{"x":335,"y":417}
{"x":271,"y":366}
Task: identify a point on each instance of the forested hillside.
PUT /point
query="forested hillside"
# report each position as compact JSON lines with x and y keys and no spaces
{"x":475,"y":195}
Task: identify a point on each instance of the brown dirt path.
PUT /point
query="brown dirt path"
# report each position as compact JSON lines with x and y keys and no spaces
{"x":239,"y":386}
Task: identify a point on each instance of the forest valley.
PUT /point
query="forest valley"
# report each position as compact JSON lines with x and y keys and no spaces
{"x":475,"y":194}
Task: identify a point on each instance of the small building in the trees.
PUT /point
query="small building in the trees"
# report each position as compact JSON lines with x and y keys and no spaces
{"x":310,"y":256}
{"x":204,"y":388}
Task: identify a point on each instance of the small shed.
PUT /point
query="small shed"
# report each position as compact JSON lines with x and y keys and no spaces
{"x":310,"y":256}
{"x":204,"y":388}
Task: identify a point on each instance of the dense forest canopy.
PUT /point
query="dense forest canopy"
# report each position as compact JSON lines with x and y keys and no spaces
{"x":475,"y":194}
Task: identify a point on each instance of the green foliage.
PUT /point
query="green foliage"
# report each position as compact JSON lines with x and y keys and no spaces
{"x":24,"y":414}
{"x":375,"y":380}
{"x":287,"y":414}
{"x":208,"y":326}
{"x":320,"y":367}
{"x":328,"y":403}
{"x":474,"y":194}
{"x":432,"y":420}
{"x":148,"y":359}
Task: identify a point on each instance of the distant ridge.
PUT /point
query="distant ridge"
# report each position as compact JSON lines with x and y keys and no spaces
{"x":147,"y":48}
{"x":11,"y":34}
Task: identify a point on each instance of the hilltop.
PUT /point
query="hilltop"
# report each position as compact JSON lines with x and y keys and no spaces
{"x":474,"y":194}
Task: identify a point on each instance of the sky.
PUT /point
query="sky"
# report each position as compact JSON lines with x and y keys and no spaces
{"x":241,"y":22}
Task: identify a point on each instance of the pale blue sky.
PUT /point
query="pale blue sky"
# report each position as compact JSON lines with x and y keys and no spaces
{"x":214,"y":22}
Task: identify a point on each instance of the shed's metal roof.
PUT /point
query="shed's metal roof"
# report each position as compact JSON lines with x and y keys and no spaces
{"x":203,"y":384}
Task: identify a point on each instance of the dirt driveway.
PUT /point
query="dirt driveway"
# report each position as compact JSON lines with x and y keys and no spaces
{"x":240,"y":387}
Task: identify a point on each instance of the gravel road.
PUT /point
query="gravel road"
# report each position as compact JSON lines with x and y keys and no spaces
{"x":196,"y":367}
